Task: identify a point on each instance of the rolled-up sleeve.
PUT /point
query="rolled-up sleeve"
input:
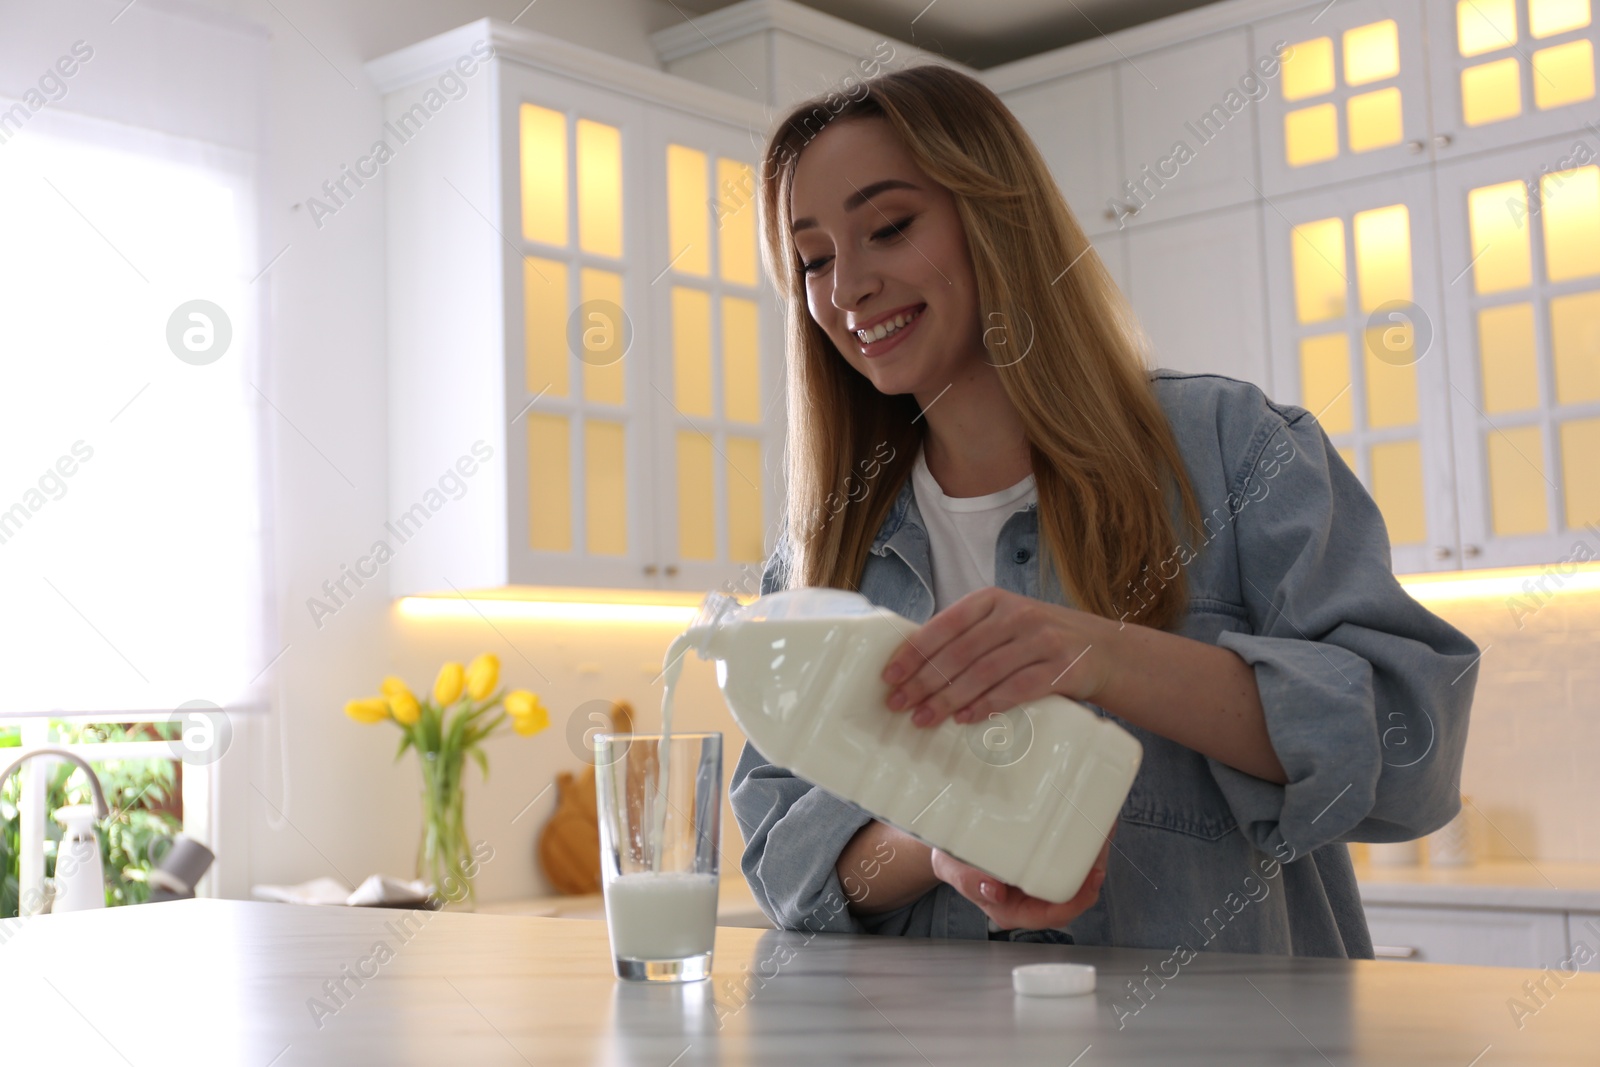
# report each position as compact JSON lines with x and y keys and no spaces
{"x":793,"y":831}
{"x":1366,"y":692}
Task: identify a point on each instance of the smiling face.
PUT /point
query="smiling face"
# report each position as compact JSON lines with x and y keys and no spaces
{"x":881,"y":243}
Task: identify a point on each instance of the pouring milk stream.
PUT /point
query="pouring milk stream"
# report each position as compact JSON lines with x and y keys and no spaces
{"x":1027,"y":796}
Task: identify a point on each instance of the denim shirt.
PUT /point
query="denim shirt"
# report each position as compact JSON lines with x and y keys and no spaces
{"x":1366,"y":696}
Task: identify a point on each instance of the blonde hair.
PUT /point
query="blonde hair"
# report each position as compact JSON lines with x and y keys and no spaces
{"x":1104,"y":459}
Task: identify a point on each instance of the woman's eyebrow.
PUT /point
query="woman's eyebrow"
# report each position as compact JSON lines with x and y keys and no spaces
{"x":856,"y":199}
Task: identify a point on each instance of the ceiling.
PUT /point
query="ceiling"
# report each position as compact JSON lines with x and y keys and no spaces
{"x":985,"y":33}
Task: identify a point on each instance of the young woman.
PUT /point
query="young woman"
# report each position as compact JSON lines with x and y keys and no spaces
{"x":975,"y":442}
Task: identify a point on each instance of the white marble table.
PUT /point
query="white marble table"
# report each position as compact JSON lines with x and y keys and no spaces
{"x":235,"y":982}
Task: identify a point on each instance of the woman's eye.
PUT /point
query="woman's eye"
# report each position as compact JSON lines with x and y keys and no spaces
{"x":815,"y":265}
{"x":894,"y":229}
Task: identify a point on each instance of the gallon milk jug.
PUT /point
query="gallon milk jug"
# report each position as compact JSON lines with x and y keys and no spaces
{"x":1028,"y":795}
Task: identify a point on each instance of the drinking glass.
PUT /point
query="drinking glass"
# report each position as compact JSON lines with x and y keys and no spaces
{"x":658,"y":851}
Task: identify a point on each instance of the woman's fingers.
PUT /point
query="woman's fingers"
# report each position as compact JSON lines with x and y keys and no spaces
{"x":915,"y":651}
{"x":1010,"y":907}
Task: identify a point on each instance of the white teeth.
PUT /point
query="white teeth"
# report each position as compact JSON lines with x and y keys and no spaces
{"x":884,"y":329}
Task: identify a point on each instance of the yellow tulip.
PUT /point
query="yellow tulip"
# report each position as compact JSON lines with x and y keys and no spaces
{"x":368,"y":709}
{"x":528,"y":715}
{"x":403,"y":705}
{"x":482,"y":675}
{"x":447,"y":687}
{"x":391,"y":685}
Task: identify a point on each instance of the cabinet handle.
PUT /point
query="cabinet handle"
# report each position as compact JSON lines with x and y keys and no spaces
{"x":1415,"y":147}
{"x":1442,"y":552}
{"x":672,"y":570}
{"x":650,"y":570}
{"x":1109,"y":215}
{"x":1471,"y":551}
{"x":1395,"y":952}
{"x":1442,"y":140}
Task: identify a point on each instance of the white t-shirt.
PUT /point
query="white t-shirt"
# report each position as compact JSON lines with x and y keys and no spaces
{"x":962,"y":532}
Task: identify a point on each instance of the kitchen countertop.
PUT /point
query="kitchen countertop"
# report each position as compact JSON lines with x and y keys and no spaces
{"x":1524,"y":886}
{"x":1520,"y":886}
{"x":237,"y":982}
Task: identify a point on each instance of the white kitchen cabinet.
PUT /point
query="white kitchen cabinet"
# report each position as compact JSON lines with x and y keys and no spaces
{"x":1583,"y":928}
{"x":1112,"y":248}
{"x":1476,"y":936}
{"x":1520,"y":255}
{"x":1510,"y":71}
{"x":1188,"y":129}
{"x":1073,"y":120}
{"x":1352,"y":98}
{"x":1196,"y":285}
{"x":1353,"y":307}
{"x":573,"y":290}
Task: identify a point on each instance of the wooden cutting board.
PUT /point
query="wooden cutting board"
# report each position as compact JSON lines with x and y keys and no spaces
{"x":569,"y":845}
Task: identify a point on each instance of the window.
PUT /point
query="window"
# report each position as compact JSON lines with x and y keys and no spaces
{"x":131,"y":487}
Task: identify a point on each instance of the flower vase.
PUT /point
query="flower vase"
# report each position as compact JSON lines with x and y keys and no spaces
{"x":444,"y":857}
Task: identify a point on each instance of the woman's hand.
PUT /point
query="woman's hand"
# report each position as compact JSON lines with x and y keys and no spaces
{"x":992,"y":650}
{"x":1010,"y":907}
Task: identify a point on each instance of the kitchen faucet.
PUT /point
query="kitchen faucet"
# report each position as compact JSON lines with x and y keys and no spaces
{"x":80,"y":878}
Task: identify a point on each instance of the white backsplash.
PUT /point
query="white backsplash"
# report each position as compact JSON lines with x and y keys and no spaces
{"x":1533,"y":750}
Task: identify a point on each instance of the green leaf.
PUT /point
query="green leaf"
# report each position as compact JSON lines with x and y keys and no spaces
{"x":483,"y":761}
{"x":406,"y":741}
{"x":482,"y":732}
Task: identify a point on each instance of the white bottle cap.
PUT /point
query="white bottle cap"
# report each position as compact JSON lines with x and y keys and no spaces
{"x":1053,"y":979}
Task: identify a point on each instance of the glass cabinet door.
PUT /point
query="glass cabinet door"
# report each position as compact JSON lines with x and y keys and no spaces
{"x":1510,"y":71}
{"x":578,"y":419}
{"x":716,"y":385}
{"x":1354,"y":310}
{"x":1520,"y":246}
{"x":1351,"y":99}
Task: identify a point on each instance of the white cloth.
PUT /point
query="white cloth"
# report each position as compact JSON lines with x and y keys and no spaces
{"x":962,"y":532}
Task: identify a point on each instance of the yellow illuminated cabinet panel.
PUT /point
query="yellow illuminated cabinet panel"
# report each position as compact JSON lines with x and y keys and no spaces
{"x":1383,"y":255}
{"x":1575,"y":348}
{"x":602,"y":335}
{"x":1391,"y":375}
{"x":1570,"y":204}
{"x":549,"y":483}
{"x":599,"y":188}
{"x":1491,"y":92}
{"x":1311,"y":135}
{"x":1563,"y":75}
{"x":745,"y":524}
{"x":1580,"y":471}
{"x":736,"y":221}
{"x":1376,"y":120}
{"x":741,"y":360}
{"x":1371,"y":53}
{"x":691,"y":351}
{"x":1546,"y":18}
{"x":1485,"y":26}
{"x":544,"y":298}
{"x":1497,"y":225}
{"x":1308,"y":69}
{"x":1517,"y":481}
{"x":1397,"y":489}
{"x":605,"y":480}
{"x":1508,"y":359}
{"x":1317,"y":249}
{"x":1325,"y":381}
{"x":697,"y":504}
{"x":544,"y":175}
{"x":688,"y":220}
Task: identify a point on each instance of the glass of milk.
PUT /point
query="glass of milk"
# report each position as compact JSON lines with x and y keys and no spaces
{"x":660,"y":805}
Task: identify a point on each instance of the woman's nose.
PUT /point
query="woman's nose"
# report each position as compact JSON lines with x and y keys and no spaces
{"x":853,"y":282}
